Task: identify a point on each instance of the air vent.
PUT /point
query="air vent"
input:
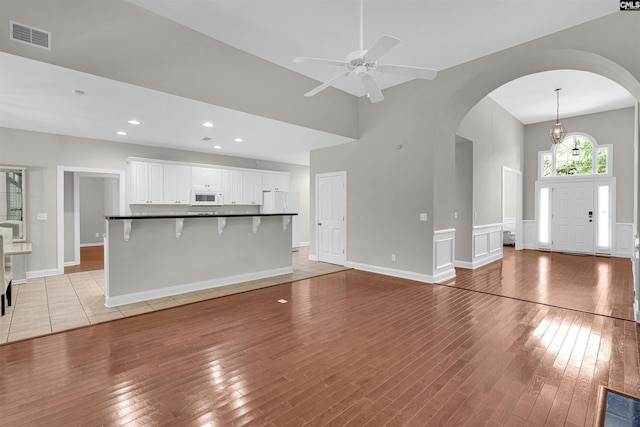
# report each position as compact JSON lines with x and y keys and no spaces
{"x":33,"y":36}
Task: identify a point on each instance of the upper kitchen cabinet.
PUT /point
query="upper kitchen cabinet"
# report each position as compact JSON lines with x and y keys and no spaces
{"x":147,"y":182}
{"x":275,"y":181}
{"x":177,"y":184}
{"x":251,"y":188}
{"x":205,"y":179}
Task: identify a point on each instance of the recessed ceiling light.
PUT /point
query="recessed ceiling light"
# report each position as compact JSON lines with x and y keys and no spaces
{"x":217,"y":147}
{"x":134,"y":122}
{"x":207,"y":124}
{"x":121,"y":132}
{"x":78,"y":92}
{"x":238,"y":140}
{"x":206,"y":138}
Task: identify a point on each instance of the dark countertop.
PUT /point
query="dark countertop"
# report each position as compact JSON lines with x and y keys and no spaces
{"x":194,"y":215}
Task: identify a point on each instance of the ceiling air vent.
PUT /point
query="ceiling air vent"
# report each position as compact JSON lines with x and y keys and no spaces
{"x":33,"y":36}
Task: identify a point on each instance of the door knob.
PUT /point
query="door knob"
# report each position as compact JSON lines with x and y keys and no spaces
{"x":320,"y":224}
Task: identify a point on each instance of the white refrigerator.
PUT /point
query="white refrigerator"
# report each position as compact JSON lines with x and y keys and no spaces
{"x":284,"y":202}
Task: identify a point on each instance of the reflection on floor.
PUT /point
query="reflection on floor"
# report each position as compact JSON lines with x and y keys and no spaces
{"x":593,"y":284}
{"x":58,"y":303}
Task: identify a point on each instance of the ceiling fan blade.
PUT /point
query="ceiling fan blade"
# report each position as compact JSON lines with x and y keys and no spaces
{"x":370,"y":85}
{"x":382,"y":46}
{"x":403,"y":70}
{"x":326,"y":84}
{"x":304,"y":59}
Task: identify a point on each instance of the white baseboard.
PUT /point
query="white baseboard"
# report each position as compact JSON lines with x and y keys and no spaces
{"x":304,"y":244}
{"x":42,"y":273}
{"x":426,"y":278}
{"x":480,"y":262}
{"x":463,"y":264}
{"x":84,"y":245}
{"x":71,"y":263}
{"x":313,"y":257}
{"x":119,"y":300}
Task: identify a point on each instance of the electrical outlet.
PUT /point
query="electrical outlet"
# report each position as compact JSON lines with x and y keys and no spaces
{"x":455,"y":215}
{"x":423,"y":217}
{"x":41,"y":216}
{"x":97,"y":234}
{"x":393,"y":257}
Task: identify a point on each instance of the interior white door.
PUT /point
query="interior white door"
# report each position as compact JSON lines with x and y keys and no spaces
{"x":572,"y":217}
{"x":331,"y":215}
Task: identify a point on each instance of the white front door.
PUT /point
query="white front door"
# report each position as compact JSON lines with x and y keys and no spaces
{"x":331,"y":203}
{"x":572,"y":217}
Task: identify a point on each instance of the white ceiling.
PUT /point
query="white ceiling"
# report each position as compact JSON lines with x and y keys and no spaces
{"x":40,"y":97}
{"x":436,"y":34}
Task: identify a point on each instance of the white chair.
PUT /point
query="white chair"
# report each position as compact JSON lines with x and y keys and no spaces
{"x":6,"y":275}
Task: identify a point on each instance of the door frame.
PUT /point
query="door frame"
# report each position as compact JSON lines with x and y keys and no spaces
{"x":519,"y":203}
{"x":119,"y":175}
{"x":318,"y":176}
{"x":597,"y":181}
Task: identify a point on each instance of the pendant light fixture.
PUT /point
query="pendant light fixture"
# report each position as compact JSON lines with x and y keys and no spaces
{"x":575,"y":150}
{"x":557,"y":132}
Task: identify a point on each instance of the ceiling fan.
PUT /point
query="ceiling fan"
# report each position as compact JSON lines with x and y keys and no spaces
{"x":361,"y":62}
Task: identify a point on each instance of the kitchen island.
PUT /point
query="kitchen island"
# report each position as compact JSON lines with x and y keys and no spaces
{"x":154,"y":256}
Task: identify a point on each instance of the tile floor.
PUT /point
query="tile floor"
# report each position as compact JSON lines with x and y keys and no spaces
{"x":57,"y":303}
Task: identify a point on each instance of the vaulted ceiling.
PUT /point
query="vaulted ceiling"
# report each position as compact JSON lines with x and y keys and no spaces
{"x":436,"y":34}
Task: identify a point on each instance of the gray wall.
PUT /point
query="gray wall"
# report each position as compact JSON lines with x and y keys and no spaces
{"x":464,"y":199}
{"x":69,"y":218}
{"x":612,"y":127}
{"x":92,"y":210}
{"x":41,"y":153}
{"x":387,"y":187}
{"x":425,"y":116}
{"x":497,"y":141}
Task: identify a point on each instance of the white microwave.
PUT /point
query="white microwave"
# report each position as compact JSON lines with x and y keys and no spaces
{"x":206,"y":199}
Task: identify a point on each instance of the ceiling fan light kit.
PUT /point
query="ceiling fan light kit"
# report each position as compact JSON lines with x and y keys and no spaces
{"x":361,"y":62}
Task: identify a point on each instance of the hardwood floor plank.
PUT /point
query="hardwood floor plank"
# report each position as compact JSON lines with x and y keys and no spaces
{"x":349,"y":348}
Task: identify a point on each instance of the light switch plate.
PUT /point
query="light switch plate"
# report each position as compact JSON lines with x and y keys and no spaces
{"x":423,"y":217}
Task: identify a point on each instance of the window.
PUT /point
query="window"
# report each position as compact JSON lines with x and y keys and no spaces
{"x":578,"y":154}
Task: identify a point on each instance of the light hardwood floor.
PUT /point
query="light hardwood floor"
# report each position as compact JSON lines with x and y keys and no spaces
{"x":348,"y":349}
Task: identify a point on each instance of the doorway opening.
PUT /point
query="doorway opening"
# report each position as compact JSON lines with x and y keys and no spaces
{"x":69,"y":202}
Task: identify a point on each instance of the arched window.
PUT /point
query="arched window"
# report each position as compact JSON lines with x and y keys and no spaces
{"x":577,"y":154}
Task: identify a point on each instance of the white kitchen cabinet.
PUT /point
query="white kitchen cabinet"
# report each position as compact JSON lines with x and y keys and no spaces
{"x":205,"y":179}
{"x":275,"y":181}
{"x":147,"y":183}
{"x":177,"y":184}
{"x":232,"y":186}
{"x":251,"y":188}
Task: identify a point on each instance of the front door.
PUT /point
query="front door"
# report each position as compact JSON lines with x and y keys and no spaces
{"x":331,"y":215}
{"x":572,"y":217}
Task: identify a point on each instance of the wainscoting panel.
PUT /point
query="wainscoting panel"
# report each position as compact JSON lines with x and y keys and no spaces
{"x":443,"y":254}
{"x":623,"y":243}
{"x":529,"y":240}
{"x":487,"y":244}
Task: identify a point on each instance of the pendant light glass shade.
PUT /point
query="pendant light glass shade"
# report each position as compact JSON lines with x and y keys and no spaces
{"x":557,"y":132}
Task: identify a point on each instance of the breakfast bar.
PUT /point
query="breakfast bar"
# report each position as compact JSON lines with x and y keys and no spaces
{"x":154,"y":256}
